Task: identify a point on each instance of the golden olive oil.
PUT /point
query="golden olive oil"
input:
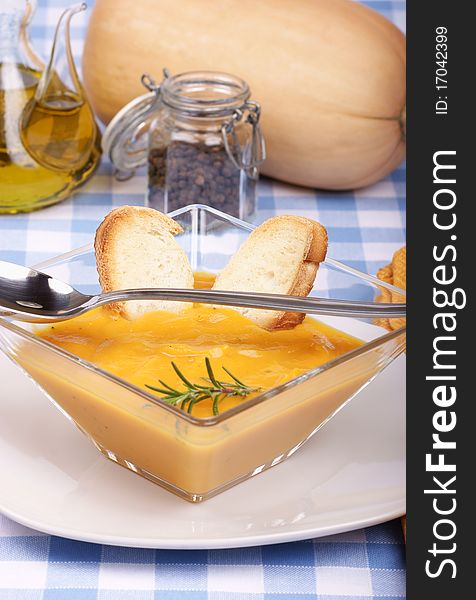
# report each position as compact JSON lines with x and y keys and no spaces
{"x":47,"y":147}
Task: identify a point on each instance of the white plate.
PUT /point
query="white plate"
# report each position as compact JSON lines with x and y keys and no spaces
{"x":350,"y":475}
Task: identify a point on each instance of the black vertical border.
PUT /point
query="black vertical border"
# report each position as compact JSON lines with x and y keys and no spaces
{"x":427,"y":133}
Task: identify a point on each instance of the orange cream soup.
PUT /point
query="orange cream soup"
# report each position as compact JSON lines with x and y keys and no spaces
{"x":141,"y":351}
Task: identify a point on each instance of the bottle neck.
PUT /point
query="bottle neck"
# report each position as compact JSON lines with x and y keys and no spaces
{"x":15,"y":15}
{"x":10,"y":23}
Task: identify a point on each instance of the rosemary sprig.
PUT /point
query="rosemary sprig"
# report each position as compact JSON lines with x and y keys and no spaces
{"x":193,"y":393}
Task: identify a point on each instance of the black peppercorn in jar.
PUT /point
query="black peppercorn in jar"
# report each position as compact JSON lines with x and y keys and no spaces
{"x":199,"y":134}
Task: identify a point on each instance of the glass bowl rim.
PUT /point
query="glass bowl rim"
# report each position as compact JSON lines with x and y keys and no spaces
{"x":178,"y":412}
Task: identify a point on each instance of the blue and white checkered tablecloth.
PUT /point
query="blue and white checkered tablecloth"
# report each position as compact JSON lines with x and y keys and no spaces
{"x":365,"y":228}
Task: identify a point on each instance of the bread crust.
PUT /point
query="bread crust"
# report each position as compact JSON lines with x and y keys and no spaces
{"x":105,"y":239}
{"x":318,"y":247}
{"x":302,"y":287}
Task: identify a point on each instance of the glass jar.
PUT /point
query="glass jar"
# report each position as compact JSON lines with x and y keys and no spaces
{"x":199,"y":134}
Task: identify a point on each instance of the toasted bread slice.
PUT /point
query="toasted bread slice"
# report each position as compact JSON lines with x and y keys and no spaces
{"x":281,"y":256}
{"x":135,"y":247}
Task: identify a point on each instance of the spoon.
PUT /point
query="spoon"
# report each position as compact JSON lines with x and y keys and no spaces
{"x":33,"y":296}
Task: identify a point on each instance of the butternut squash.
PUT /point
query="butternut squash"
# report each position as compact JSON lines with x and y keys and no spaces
{"x":329,"y":74}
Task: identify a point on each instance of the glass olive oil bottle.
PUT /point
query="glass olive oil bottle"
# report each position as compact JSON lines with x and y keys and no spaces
{"x":49,"y":141}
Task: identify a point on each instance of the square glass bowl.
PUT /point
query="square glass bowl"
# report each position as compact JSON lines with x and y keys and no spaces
{"x":193,"y":457}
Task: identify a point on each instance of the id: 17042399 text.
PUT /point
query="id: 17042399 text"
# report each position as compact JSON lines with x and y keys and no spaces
{"x":441,"y":71}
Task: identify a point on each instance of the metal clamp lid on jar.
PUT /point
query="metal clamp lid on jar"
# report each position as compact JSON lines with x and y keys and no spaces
{"x":126,"y":139}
